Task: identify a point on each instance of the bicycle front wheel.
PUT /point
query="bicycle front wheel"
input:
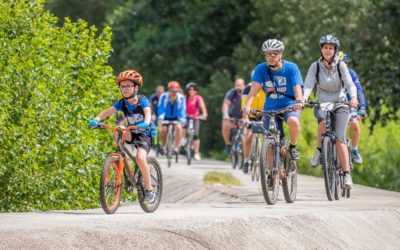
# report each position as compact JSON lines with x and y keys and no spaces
{"x":269,"y":176}
{"x":156,"y":182}
{"x":169,"y":148}
{"x":328,"y":166}
{"x":110,"y":191}
{"x":289,"y":182}
{"x":189,"y":145}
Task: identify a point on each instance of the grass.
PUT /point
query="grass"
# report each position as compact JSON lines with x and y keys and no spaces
{"x":224,"y":178}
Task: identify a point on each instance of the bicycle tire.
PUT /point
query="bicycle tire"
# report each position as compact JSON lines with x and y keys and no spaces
{"x":348,"y":193}
{"x":270,"y":194}
{"x":156,"y":182}
{"x":169,"y":149}
{"x":110,"y":203}
{"x":328,"y":167}
{"x":289,"y":183}
{"x":254,"y":155}
{"x":257,"y":170}
{"x":338,"y":184}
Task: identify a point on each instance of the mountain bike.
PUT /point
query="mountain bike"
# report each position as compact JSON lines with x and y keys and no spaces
{"x":257,"y":128}
{"x":237,"y":143}
{"x":170,"y":142}
{"x":333,"y":175}
{"x":276,"y":162}
{"x":117,"y":172}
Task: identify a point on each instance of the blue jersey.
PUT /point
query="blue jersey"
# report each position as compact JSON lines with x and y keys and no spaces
{"x":134,"y":113}
{"x":360,"y":92}
{"x":284,"y":81}
{"x":169,"y":111}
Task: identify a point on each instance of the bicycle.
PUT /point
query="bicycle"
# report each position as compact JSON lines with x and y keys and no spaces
{"x":283,"y":168}
{"x":236,"y":142}
{"x":117,"y":171}
{"x":257,"y":128}
{"x":333,"y":175}
{"x":169,"y":142}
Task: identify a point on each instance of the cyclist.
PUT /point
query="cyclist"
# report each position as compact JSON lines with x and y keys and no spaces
{"x":137,"y":111}
{"x":172,"y":107}
{"x":195,"y":103}
{"x":282,"y":81}
{"x":154,"y":101}
{"x":332,"y":82}
{"x":258,"y":103}
{"x":231,"y":109}
{"x":355,"y":128}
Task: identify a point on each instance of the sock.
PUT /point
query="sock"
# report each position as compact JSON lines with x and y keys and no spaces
{"x":345,"y":172}
{"x":354,"y":148}
{"x":319,"y":149}
{"x":293,"y":145}
{"x":246,"y":160}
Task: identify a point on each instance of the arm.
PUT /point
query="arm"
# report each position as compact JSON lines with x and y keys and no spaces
{"x":349,"y":85}
{"x":224,"y":108}
{"x":310,"y":81}
{"x":105,"y":113}
{"x":203,"y":109}
{"x":360,"y":92}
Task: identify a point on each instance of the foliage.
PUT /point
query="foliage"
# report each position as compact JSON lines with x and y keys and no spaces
{"x":224,"y":178}
{"x":51,"y":81}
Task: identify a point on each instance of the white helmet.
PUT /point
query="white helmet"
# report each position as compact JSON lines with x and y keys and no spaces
{"x":329,"y":39}
{"x":272,"y":45}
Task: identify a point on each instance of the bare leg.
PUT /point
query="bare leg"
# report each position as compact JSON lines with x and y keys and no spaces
{"x":321,"y":130}
{"x":178,"y":135}
{"x":226,"y":131}
{"x":294,"y":129}
{"x":196,"y":146}
{"x":247,"y":144}
{"x":141,"y":157}
{"x":355,"y":131}
{"x":343,"y":155}
{"x":163,"y":135}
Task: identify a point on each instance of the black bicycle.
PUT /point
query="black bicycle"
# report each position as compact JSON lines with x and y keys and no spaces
{"x":276,"y":162}
{"x":170,"y":142}
{"x":237,"y":143}
{"x":333,"y":175}
{"x":189,"y":151}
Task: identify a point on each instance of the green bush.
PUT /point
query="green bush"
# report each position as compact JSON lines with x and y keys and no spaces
{"x":53,"y":80}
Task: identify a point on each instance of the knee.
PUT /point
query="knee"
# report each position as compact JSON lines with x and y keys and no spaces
{"x":294,"y":122}
{"x":140,"y":159}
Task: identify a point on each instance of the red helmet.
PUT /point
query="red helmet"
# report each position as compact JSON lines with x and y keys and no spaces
{"x":130,"y":75}
{"x":173,"y":85}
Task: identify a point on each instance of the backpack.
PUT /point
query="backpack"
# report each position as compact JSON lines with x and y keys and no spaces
{"x":139,"y":110}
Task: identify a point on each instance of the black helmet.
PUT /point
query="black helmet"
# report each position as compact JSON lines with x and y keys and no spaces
{"x":191,"y":84}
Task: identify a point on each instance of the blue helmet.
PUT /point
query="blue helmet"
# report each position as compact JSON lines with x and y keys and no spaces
{"x":343,"y":56}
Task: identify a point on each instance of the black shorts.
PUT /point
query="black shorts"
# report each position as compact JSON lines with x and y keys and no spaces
{"x":140,"y":140}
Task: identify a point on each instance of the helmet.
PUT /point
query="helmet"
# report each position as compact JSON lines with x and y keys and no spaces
{"x":173,"y":85}
{"x":329,"y":39}
{"x":130,"y":75}
{"x":191,"y":84}
{"x":342,"y":56}
{"x":272,"y":44}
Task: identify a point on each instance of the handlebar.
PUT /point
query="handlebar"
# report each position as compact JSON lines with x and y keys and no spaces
{"x":269,"y":112}
{"x":103,"y":125}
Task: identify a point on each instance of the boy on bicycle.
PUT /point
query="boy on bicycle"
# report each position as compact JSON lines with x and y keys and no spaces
{"x":137,"y":111}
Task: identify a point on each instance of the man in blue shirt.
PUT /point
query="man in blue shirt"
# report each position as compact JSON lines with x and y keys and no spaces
{"x":282,"y":82}
{"x":355,"y":128}
{"x":172,"y":107}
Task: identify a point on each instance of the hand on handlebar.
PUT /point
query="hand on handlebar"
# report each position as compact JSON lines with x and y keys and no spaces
{"x":93,"y":123}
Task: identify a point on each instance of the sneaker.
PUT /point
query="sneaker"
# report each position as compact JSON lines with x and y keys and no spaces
{"x":316,"y":160}
{"x":228,"y":148}
{"x":294,"y":153}
{"x":348,"y":182}
{"x":197,"y":156}
{"x":245,"y":168}
{"x":356,"y":157}
{"x":161,"y":151}
{"x":149,"y":196}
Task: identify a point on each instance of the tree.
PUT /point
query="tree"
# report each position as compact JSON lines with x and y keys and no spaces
{"x":53,"y":79}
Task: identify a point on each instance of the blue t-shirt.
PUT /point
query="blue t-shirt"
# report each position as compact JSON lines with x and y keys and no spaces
{"x":360,"y":92}
{"x":284,"y":81}
{"x":234,"y":110}
{"x":134,"y":115}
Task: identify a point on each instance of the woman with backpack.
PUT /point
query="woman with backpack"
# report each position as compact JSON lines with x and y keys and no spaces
{"x":333,"y":80}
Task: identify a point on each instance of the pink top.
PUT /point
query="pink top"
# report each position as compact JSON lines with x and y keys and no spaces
{"x":193,"y":106}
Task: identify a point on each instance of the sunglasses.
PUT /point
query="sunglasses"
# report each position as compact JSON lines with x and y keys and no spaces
{"x":272,"y":55}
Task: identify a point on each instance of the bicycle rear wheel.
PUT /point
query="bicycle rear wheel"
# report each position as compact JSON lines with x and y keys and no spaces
{"x":289,"y":183}
{"x":156,"y":182}
{"x":269,"y":178}
{"x":110,"y":191}
{"x":255,"y":159}
{"x":169,"y":149}
{"x":328,"y":167}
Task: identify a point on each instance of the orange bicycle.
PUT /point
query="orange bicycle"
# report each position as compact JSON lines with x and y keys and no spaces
{"x":117,"y":171}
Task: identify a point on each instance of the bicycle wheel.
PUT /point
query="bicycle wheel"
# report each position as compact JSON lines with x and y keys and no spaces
{"x":257,"y":166}
{"x":328,"y":166}
{"x":254,"y":158}
{"x":156,"y":182}
{"x":110,"y":191}
{"x":269,"y":178}
{"x":289,"y":182}
{"x":338,"y":183}
{"x":169,"y":149}
{"x":188,"y":147}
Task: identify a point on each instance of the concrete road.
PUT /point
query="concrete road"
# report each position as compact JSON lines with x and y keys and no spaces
{"x":192,"y":216}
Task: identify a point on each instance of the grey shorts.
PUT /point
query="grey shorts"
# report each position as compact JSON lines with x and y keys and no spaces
{"x":140,"y":140}
{"x":278,"y":120}
{"x":340,"y":120}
